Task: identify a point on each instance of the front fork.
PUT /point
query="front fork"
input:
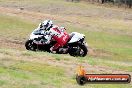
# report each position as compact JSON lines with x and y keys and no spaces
{"x":85,"y":43}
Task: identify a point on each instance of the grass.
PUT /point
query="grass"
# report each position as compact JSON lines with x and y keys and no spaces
{"x":118,"y":45}
{"x":18,"y":72}
{"x":112,"y":64}
{"x":30,"y":71}
{"x":110,"y":40}
{"x":15,"y":28}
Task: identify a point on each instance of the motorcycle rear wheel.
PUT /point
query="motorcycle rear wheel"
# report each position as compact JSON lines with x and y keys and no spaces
{"x":82,"y":51}
{"x":85,"y":50}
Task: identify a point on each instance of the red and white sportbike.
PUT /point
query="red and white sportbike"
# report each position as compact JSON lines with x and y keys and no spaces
{"x":76,"y":46}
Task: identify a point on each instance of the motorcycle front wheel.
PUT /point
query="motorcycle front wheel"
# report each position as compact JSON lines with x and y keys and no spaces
{"x":29,"y":45}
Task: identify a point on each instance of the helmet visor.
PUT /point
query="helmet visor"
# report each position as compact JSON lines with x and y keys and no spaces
{"x":46,"y":25}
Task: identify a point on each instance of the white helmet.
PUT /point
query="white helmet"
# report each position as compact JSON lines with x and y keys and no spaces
{"x":46,"y":24}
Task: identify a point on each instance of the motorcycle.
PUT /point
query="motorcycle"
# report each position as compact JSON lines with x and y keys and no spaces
{"x":76,"y":45}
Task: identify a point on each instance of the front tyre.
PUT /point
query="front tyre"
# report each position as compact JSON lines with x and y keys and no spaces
{"x":29,"y":45}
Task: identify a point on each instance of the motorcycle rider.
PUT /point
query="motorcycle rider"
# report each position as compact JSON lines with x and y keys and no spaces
{"x":54,"y":32}
{"x":38,"y":34}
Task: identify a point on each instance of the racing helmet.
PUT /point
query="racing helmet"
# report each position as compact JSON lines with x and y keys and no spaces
{"x":46,"y":24}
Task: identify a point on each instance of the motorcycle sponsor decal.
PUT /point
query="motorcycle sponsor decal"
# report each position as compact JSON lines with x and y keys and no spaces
{"x":83,"y":78}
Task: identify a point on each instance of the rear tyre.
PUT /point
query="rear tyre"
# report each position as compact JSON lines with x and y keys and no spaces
{"x":81,"y":51}
{"x":84,"y":50}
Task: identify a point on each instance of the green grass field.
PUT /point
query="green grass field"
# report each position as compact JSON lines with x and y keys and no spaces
{"x":108,"y":34}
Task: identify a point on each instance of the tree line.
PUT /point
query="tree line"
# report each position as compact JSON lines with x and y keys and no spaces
{"x":126,"y":3}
